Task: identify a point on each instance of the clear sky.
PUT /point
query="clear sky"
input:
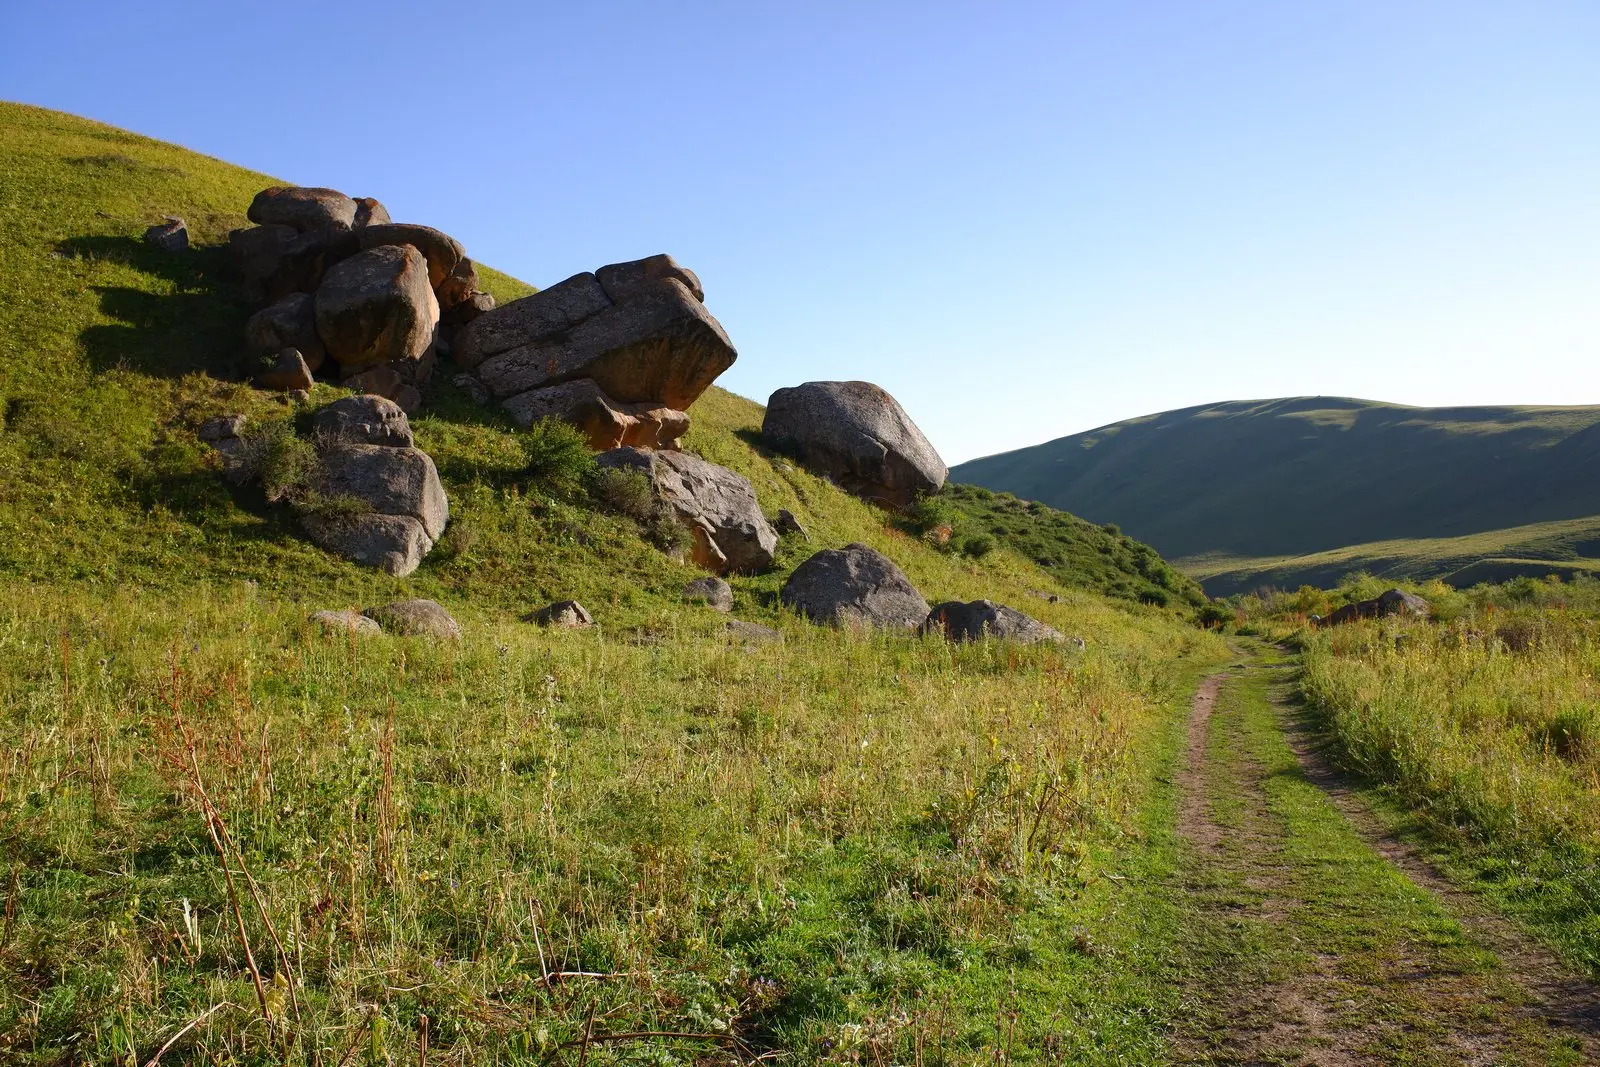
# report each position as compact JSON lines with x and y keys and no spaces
{"x":1022,"y":219}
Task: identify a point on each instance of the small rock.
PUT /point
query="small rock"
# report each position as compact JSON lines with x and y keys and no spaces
{"x":409,"y":397}
{"x":750,"y":632}
{"x":416,"y":618}
{"x":300,"y":396}
{"x":369,"y":213}
{"x":290,"y":323}
{"x":221,"y":428}
{"x":345,"y":622}
{"x":381,"y":380}
{"x":473,"y":386}
{"x":288,"y":373}
{"x":787,"y":523}
{"x":563,"y":613}
{"x":169,"y":236}
{"x":474,"y":305}
{"x":717,"y":594}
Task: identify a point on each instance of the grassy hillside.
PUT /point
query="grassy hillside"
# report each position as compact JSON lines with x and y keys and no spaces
{"x":843,"y":847}
{"x":1564,"y":548}
{"x":1232,"y":488}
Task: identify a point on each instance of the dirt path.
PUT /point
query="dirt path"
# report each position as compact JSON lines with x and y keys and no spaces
{"x":1319,"y":938}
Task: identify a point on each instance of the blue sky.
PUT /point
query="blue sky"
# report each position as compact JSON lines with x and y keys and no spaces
{"x":1023,"y":219}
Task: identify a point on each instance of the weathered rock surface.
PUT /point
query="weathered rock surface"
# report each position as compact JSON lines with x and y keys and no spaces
{"x":979,"y":619}
{"x":1390,"y":602}
{"x":169,"y":236}
{"x":259,"y":254}
{"x":302,"y":207}
{"x":716,"y":593}
{"x":394,"y":544}
{"x":604,"y":422}
{"x":717,"y":506}
{"x":287,"y":373}
{"x":377,"y":307}
{"x":221,"y":427}
{"x":473,"y":386}
{"x":857,"y":435}
{"x":665,"y":349}
{"x":389,"y":480}
{"x":345,"y":622}
{"x":626,"y":282}
{"x":546,"y":313}
{"x":442,"y":251}
{"x":362,"y":420}
{"x":290,"y":323}
{"x":416,"y":618}
{"x":563,"y":613}
{"x":472,"y":307}
{"x":855,"y":587}
{"x":370,"y":213}
{"x":1400,"y":602}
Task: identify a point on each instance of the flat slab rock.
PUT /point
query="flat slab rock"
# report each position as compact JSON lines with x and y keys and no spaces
{"x":416,"y":618}
{"x":855,"y":586}
{"x":980,"y":619}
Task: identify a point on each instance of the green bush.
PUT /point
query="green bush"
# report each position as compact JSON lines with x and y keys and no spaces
{"x":629,"y":493}
{"x":285,"y":463}
{"x":978,"y":546}
{"x":556,"y":457}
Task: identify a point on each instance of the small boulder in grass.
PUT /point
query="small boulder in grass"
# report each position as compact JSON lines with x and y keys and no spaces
{"x":713,"y":592}
{"x":982,"y":619}
{"x":751,"y":633}
{"x":169,"y":236}
{"x":564,"y":614}
{"x":286,"y":373}
{"x":345,"y":622}
{"x":416,"y":618}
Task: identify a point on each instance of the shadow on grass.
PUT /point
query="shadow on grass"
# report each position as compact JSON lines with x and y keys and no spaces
{"x":188,"y":317}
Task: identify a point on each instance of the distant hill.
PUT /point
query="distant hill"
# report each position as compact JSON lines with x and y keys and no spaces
{"x":1302,"y":489}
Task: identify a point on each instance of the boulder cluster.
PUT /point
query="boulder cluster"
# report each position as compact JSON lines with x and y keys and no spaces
{"x":347,"y":293}
{"x":620,"y":353}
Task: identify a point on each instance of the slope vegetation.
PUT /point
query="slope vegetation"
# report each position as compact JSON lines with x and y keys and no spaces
{"x":224,"y":837}
{"x":1247,"y":481}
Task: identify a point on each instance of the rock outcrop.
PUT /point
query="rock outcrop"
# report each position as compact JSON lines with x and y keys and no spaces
{"x":637,"y":333}
{"x":717,"y":506}
{"x":857,"y":435}
{"x":855,"y":587}
{"x":362,"y":420}
{"x":981,"y":619}
{"x":341,"y":277}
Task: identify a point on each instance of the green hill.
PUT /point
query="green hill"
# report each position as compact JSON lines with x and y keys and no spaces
{"x":1236,"y":493}
{"x":223,"y":832}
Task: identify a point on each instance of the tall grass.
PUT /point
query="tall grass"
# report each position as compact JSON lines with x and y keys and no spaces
{"x":337,"y":849}
{"x":1489,"y":728}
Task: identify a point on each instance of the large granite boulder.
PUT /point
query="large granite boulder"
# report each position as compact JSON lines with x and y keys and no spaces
{"x":855,"y":586}
{"x":717,"y":506}
{"x":388,"y":480}
{"x":857,"y":435}
{"x":604,"y":422}
{"x":290,"y":323}
{"x":416,"y":618}
{"x":362,"y":420}
{"x":443,"y":252}
{"x":377,"y":307}
{"x":979,"y":619}
{"x":654,"y":342}
{"x":302,"y":208}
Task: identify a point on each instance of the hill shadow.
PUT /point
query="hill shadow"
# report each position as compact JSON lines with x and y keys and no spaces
{"x":190,"y":317}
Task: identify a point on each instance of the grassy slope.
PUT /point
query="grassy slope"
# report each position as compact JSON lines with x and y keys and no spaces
{"x":835,"y":841}
{"x":1249,"y":479}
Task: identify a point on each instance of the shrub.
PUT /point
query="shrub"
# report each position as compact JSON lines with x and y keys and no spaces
{"x":556,"y":457}
{"x":285,"y":463}
{"x":978,"y":546}
{"x":629,"y":493}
